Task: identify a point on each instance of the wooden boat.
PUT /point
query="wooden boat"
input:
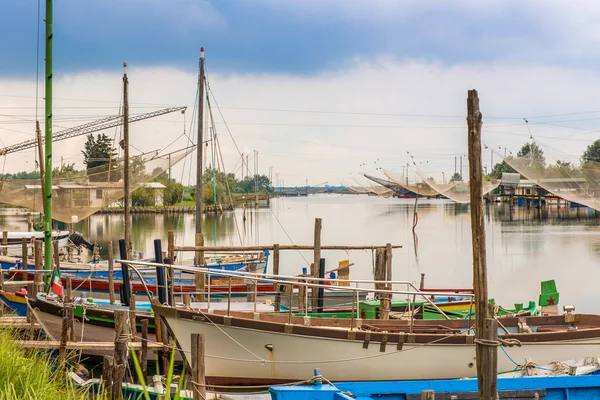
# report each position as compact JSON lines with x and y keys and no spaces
{"x":14,"y":246}
{"x":267,"y":349}
{"x":94,"y":320}
{"x":100,"y":270}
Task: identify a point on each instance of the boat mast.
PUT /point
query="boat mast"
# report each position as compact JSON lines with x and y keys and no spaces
{"x":200,"y":146}
{"x":48,"y":144}
{"x":127,"y":195}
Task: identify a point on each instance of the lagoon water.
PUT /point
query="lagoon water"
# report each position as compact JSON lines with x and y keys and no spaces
{"x":524,"y":245}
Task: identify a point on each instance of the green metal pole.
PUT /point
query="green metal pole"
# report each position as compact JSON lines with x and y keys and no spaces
{"x":48,"y":144}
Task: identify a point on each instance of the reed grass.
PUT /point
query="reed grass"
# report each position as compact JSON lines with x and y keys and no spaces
{"x":31,"y":374}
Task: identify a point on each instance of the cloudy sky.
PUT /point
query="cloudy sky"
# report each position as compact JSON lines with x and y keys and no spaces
{"x":323,"y":90}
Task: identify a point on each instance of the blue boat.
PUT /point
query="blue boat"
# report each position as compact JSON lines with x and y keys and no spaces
{"x":546,"y":387}
{"x":216,"y":264}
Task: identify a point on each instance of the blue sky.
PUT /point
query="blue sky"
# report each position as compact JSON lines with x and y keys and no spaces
{"x":296,"y":37}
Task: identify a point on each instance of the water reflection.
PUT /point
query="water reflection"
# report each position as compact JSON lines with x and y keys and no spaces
{"x":524,"y":245}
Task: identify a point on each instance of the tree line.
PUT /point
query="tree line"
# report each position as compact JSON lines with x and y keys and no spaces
{"x":99,"y":153}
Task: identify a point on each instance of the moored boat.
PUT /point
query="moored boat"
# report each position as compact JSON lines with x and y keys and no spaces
{"x":254,"y":349}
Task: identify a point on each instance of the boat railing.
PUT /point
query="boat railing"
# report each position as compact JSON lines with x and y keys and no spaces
{"x":309,"y":282}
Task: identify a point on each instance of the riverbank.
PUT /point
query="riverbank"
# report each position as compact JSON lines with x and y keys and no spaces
{"x":30,"y":374}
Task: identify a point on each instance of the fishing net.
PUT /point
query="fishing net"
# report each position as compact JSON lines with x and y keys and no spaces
{"x":457,"y":191}
{"x":77,"y":195}
{"x":563,"y":175}
{"x":419,"y":188}
{"x":358,"y":186}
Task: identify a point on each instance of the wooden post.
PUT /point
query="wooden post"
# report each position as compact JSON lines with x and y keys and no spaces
{"x":170,"y":259}
{"x":388,"y":278}
{"x":171,"y":246}
{"x":251,"y":285}
{"x":5,"y":238}
{"x":171,"y":285}
{"x":380,"y":273}
{"x":126,"y":174}
{"x":427,"y":395}
{"x":277,"y":303}
{"x":388,"y":265}
{"x":490,"y":333}
{"x":111,"y":273}
{"x":487,"y":379}
{"x":24,"y":253}
{"x":165,"y":351}
{"x":199,"y":276}
{"x":65,"y":334}
{"x":158,"y":332}
{"x":69,"y":290}
{"x":132,"y":321}
{"x":198,"y":378}
{"x":56,"y":255}
{"x":316,"y":260}
{"x":31,"y":292}
{"x":144,"y":355}
{"x":302,"y":293}
{"x":107,"y":375}
{"x":120,"y":363}
{"x":38,"y":278}
{"x":187,"y":300}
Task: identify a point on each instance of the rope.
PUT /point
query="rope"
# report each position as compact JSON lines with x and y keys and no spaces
{"x":500,"y":342}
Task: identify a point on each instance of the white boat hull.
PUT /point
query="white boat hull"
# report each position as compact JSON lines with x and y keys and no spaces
{"x":15,"y":246}
{"x":235,"y":354}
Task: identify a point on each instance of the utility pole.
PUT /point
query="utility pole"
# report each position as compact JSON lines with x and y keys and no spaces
{"x":48,"y":138}
{"x":200,"y":149}
{"x":485,"y":327}
{"x":461,"y":168}
{"x":454,"y":165}
{"x":126,"y":177}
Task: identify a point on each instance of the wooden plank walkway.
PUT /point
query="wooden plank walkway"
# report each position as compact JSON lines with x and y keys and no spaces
{"x":17,"y":323}
{"x":55,"y":344}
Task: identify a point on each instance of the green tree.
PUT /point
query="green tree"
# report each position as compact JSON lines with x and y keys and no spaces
{"x":592,"y":153}
{"x":98,"y":151}
{"x":20,"y":175}
{"x":533,"y":153}
{"x":501,"y":168}
{"x":173,"y":192}
{"x":251,"y":184}
{"x":456,"y":177}
{"x":98,"y":157}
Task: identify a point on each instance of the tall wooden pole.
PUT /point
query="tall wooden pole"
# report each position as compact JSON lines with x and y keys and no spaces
{"x":48,"y":139}
{"x":200,"y":148}
{"x":127,"y":195}
{"x":486,"y":375}
{"x":316,"y":260}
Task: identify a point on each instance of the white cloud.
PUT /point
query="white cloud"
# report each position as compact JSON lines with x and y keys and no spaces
{"x":323,"y":146}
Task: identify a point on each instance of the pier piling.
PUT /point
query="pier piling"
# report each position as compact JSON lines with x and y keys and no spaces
{"x":198,"y":371}
{"x":316,"y":259}
{"x":277,"y":302}
{"x":111,"y":271}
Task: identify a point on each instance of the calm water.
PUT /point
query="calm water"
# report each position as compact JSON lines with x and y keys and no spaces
{"x":525,"y":246}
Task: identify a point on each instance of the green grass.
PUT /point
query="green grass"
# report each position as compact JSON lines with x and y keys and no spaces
{"x":30,"y":374}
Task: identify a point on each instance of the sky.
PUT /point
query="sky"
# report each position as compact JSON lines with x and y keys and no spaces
{"x":322,"y":90}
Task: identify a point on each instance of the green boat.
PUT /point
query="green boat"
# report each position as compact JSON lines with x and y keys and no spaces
{"x":453,"y":308}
